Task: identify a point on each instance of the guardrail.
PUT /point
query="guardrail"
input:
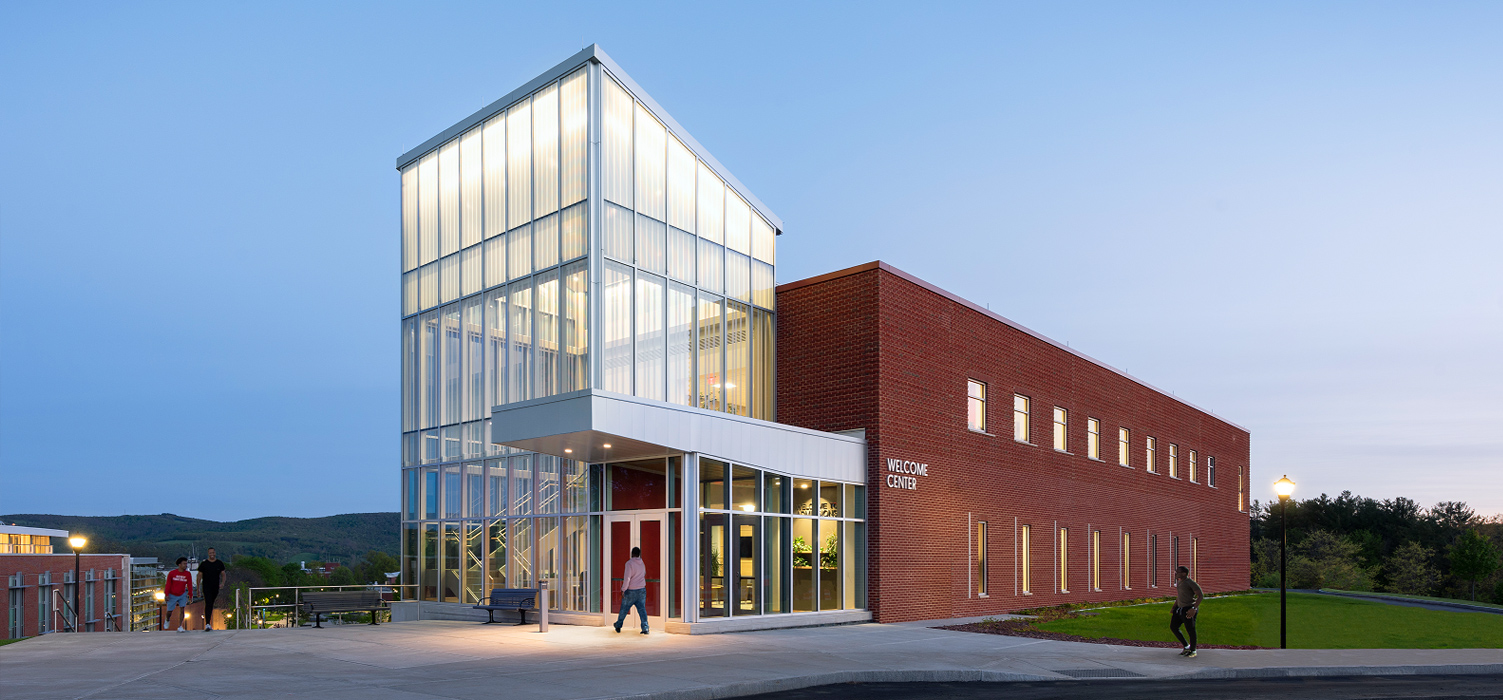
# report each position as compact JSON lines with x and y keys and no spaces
{"x":281,"y":606}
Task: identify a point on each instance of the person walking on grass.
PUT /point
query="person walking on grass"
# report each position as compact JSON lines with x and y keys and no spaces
{"x":179,"y":590}
{"x":1186,"y":604}
{"x":211,"y":576}
{"x":633,"y":589}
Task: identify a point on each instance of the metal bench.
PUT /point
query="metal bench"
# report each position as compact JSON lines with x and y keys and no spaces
{"x":518,"y":599}
{"x":322,"y":603}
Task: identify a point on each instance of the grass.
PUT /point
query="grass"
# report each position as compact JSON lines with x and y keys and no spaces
{"x":1406,"y":596}
{"x":1315,"y":622}
{"x":4,"y":642}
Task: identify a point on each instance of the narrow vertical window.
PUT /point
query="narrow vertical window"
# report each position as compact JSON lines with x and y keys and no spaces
{"x":1152,"y":464}
{"x":1153,"y":561}
{"x":1061,"y":426}
{"x":1211,"y":472}
{"x":1195,"y":558}
{"x":1093,"y":438}
{"x":976,"y":406}
{"x":1064,"y":560}
{"x":1025,"y":550}
{"x":1241,"y":491}
{"x":1124,"y":447}
{"x":1096,"y":560}
{"x":981,"y":558}
{"x":1020,"y":418}
{"x":1127,"y":560}
{"x":1173,"y":461}
{"x":1193,"y":475}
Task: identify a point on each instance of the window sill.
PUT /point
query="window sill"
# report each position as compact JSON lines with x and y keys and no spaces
{"x":1027,"y":593}
{"x":1176,"y":478}
{"x":983,"y":595}
{"x":1096,"y":459}
{"x":1024,"y":442}
{"x":980,"y":432}
{"x":1064,"y":452}
{"x":1126,"y":466}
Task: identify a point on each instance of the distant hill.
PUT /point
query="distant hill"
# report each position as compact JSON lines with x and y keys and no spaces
{"x":336,"y":538}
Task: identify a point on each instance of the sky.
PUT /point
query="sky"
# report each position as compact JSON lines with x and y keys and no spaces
{"x":1288,"y":214}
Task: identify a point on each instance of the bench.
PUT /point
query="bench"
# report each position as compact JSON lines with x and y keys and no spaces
{"x":322,"y":603}
{"x":518,"y":599}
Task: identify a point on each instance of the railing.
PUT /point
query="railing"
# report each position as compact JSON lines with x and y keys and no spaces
{"x":283,"y":604}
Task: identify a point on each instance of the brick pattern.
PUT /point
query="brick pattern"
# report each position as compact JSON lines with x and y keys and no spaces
{"x":31,"y":567}
{"x":874,"y":348}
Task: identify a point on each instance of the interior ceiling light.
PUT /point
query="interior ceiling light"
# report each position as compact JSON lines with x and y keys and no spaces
{"x":568,"y":451}
{"x":607,"y":445}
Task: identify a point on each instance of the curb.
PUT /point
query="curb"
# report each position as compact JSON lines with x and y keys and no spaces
{"x":1414,"y":601}
{"x":1309,"y":671}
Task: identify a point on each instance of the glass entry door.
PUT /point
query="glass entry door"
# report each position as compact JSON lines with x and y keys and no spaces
{"x":622,"y":533}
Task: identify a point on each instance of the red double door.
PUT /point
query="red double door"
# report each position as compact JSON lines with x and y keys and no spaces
{"x":645,"y":531}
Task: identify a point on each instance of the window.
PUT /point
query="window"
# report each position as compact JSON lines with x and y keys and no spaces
{"x":1195,"y":558}
{"x":1192,"y":467}
{"x":1241,"y":491}
{"x":1023,"y":548}
{"x":981,"y":558}
{"x":1153,"y":561}
{"x":1093,"y":438}
{"x":1064,"y":560}
{"x":1020,"y":418}
{"x":1211,"y":472}
{"x":976,"y":405}
{"x":1061,"y":424}
{"x":1096,"y":560}
{"x":1124,"y":446}
{"x":1127,"y":560}
{"x":1173,"y":461}
{"x":1152,"y":450}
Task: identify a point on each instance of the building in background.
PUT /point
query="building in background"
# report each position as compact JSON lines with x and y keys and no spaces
{"x":40,"y":585}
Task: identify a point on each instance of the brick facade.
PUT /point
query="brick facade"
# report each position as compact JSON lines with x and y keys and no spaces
{"x":31,"y":575}
{"x":872,"y":347}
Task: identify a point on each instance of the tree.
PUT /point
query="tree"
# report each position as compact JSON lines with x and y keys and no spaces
{"x":375,"y":567}
{"x":1409,"y":571}
{"x":1327,"y":560}
{"x":1473,"y":557}
{"x":266,"y":569}
{"x":342,"y":576}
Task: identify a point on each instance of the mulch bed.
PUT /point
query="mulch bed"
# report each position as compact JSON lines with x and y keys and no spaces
{"x":1025,"y":628}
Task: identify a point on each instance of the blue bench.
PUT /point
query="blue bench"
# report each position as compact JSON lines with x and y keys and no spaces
{"x":518,"y":599}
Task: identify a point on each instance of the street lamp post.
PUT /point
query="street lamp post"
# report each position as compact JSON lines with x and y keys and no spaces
{"x":77,"y":543}
{"x":161,"y":610}
{"x":1284,"y":488}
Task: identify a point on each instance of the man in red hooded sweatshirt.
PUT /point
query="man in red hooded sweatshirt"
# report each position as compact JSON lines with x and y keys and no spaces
{"x":179,"y":591}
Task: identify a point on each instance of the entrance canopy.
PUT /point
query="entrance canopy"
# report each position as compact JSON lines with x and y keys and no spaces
{"x":600,"y":426}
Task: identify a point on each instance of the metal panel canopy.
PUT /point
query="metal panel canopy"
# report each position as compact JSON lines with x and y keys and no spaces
{"x":580,"y":424}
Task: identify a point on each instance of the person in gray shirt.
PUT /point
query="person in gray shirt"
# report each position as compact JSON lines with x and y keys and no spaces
{"x":1186,"y":605}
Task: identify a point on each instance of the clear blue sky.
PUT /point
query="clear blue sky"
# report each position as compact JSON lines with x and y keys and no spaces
{"x":1288,"y":213}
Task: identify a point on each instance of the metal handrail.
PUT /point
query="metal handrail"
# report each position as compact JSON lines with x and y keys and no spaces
{"x":60,"y":607}
{"x":248,"y":609}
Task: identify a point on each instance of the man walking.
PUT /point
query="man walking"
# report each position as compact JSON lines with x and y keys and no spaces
{"x":211,"y":577}
{"x":179,"y":589}
{"x":1186,"y":605}
{"x":633,"y":589}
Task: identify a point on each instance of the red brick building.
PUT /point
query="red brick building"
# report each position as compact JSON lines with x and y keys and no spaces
{"x":35,"y":582}
{"x":1004,"y":470}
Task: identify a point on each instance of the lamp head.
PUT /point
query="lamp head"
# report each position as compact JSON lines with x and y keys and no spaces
{"x":77,"y":542}
{"x":160,"y":596}
{"x":1284,"y":488}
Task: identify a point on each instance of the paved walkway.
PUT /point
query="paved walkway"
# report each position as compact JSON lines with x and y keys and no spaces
{"x":432,"y":659}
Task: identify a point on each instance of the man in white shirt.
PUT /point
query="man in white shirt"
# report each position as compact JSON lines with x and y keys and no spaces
{"x":633,"y":589}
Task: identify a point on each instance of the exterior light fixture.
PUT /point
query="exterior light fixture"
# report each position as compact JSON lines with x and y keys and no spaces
{"x":568,"y":451}
{"x":160,"y":596}
{"x":607,"y":445}
{"x":1284,"y":488}
{"x":77,"y":543}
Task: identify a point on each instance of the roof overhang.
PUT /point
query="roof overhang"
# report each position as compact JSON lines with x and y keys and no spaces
{"x":579,"y":425}
{"x":42,"y":531}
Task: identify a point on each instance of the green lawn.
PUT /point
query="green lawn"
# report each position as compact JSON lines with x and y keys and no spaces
{"x":4,"y":642}
{"x":1315,"y":622}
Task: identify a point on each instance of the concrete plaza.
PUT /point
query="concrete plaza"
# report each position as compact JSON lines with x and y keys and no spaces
{"x":442,"y":659}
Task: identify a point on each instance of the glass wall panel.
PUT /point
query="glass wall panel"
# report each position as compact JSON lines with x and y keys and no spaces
{"x":805,"y":497}
{"x":711,"y":267}
{"x":430,"y":493}
{"x":616,"y":134}
{"x":775,"y":494}
{"x":637,"y":485}
{"x":547,"y":484}
{"x":745,"y":489}
{"x":575,"y":331}
{"x":411,"y":548}
{"x":576,"y":486}
{"x":675,"y":565}
{"x":776,"y":592}
{"x":409,"y":374}
{"x":470,"y":191}
{"x":651,"y":244}
{"x":410,"y":296}
{"x":681,"y":164}
{"x":710,"y":351}
{"x":519,"y":164}
{"x":803,"y":564}
{"x":428,"y":209}
{"x":519,"y":252}
{"x":545,"y":151}
{"x":737,"y":223}
{"x":519,"y":575}
{"x":495,"y":350}
{"x":764,"y":287}
{"x":618,"y":233}
{"x":738,"y":276}
{"x":764,"y":240}
{"x":737,"y":358}
{"x":474,"y":360}
{"x":616,"y":362}
{"x":520,"y":467}
{"x":519,"y":387}
{"x":651,"y":338}
{"x":495,"y":495}
{"x":763,"y":369}
{"x":853,"y":563}
{"x":448,"y":278}
{"x":710,"y":216}
{"x":548,"y":554}
{"x":474,"y":490}
{"x":474,"y":436}
{"x":546,"y":334}
{"x":470,"y":278}
{"x":448,"y":198}
{"x":713,"y":531}
{"x":453,"y":356}
{"x":545,"y":242}
{"x":428,"y":372}
{"x":495,"y":535}
{"x":712,"y":483}
{"x":495,"y":176}
{"x":652,"y":165}
{"x":830,"y":575}
{"x":428,"y":286}
{"x":574,"y":125}
{"x":829,"y":499}
{"x":495,"y":261}
{"x":573,"y":235}
{"x":453,"y":547}
{"x":681,"y":255}
{"x":474,"y":562}
{"x":745,"y":551}
{"x":453,"y":492}
{"x":580,"y":586}
{"x":429,"y":573}
{"x":432,"y":451}
{"x":680,"y":345}
{"x":409,"y":218}
{"x":410,"y":493}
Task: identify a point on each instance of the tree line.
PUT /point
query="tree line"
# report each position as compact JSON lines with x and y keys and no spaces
{"x":1364,"y":544}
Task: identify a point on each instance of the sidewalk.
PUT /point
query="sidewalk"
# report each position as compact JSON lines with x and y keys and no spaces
{"x":433,"y":659}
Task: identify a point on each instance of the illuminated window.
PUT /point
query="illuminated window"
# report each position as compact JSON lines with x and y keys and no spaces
{"x":1151,"y":465}
{"x":1241,"y":491}
{"x":1211,"y":472}
{"x":1020,"y":418}
{"x":1127,"y":560}
{"x":1124,"y":446}
{"x":1064,"y":560}
{"x":1061,"y":421}
{"x":1173,"y":461}
{"x":1024,"y":558}
{"x":1195,"y":558}
{"x":1096,"y":560}
{"x":976,"y":405}
{"x":1193,"y":475}
{"x":981,"y":558}
{"x":1093,"y":438}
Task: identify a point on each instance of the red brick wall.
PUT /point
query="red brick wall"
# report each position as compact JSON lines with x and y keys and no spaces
{"x":32,"y":566}
{"x":874,"y":348}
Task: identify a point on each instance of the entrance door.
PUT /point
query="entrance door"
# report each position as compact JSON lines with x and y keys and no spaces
{"x":622,"y":533}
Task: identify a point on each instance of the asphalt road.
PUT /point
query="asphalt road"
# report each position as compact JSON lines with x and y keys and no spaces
{"x":1328,"y":688}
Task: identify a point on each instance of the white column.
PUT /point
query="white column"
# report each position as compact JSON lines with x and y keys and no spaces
{"x":690,"y":536}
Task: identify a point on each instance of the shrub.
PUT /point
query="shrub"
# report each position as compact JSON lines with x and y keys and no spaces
{"x":1408,"y":570}
{"x":1326,"y":560}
